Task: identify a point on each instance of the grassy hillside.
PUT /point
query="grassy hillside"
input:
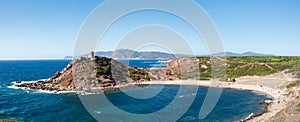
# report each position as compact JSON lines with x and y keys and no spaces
{"x":253,"y":66}
{"x":235,"y":67}
{"x":112,"y":71}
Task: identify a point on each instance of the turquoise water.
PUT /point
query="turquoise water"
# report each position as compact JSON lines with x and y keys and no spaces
{"x":37,"y":106}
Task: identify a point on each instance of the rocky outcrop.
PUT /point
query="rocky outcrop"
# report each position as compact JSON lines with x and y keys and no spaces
{"x":91,"y":74}
{"x":100,"y":73}
{"x":181,"y":68}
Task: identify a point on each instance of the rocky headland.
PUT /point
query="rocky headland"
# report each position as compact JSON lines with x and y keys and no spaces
{"x":101,"y":73}
{"x":88,"y":74}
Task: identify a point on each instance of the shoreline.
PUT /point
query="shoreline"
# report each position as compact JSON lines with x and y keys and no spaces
{"x":279,"y":97}
{"x":98,"y":90}
{"x":218,"y":84}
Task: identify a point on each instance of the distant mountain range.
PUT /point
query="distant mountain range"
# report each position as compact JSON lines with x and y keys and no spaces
{"x":130,"y":54}
{"x":152,"y":55}
{"x":249,"y":53}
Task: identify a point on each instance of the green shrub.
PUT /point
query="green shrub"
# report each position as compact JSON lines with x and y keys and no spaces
{"x":296,"y":83}
{"x":204,"y":79}
{"x":90,"y":78}
{"x":135,"y":78}
{"x":87,"y":60}
{"x":298,"y":105}
{"x":147,"y":78}
{"x":105,"y":77}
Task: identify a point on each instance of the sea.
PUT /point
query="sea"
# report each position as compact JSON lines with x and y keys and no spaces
{"x":39,"y":106}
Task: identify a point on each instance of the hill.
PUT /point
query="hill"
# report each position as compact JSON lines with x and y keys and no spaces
{"x":237,"y":66}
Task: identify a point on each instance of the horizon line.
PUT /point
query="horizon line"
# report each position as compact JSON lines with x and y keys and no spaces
{"x":53,"y":59}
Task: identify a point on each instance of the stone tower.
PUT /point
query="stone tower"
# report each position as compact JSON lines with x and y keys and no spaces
{"x":91,"y":55}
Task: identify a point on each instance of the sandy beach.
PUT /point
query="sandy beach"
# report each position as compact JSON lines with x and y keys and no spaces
{"x":273,"y":85}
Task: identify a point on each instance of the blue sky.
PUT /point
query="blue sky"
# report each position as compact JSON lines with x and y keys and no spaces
{"x":47,"y":29}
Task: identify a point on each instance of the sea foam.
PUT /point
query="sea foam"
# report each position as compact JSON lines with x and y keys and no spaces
{"x":14,"y":86}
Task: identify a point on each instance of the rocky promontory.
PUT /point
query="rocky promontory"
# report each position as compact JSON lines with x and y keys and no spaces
{"x":101,"y":73}
{"x":89,"y":74}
